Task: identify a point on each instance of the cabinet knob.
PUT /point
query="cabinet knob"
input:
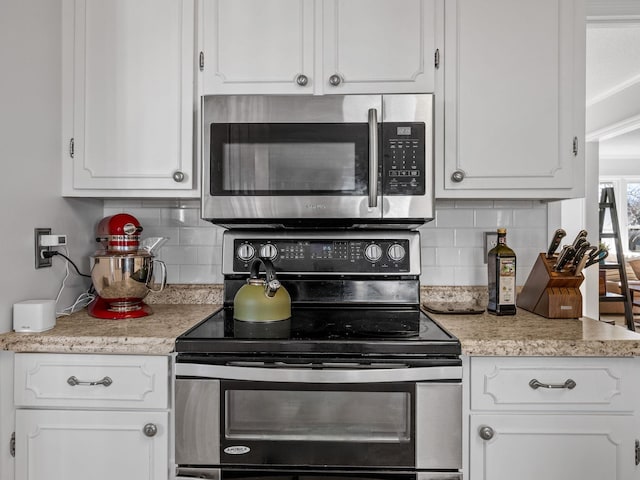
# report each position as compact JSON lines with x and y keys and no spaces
{"x":178,"y":176}
{"x":457,"y":176}
{"x":486,"y":433}
{"x":150,"y":430}
{"x":335,"y":80}
{"x":302,"y":80}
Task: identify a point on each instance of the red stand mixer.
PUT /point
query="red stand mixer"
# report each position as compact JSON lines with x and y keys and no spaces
{"x":122,"y":271}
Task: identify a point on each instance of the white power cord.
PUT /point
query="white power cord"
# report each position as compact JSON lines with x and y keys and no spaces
{"x":83,"y":299}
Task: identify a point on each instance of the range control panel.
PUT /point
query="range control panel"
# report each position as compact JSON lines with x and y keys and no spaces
{"x":403,"y":150}
{"x":328,"y":255}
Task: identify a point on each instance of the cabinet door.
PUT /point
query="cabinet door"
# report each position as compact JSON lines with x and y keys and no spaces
{"x":256,"y":47}
{"x":378,"y":46}
{"x":130,"y":67}
{"x":514,"y":99}
{"x":76,"y":445}
{"x":552,"y":447}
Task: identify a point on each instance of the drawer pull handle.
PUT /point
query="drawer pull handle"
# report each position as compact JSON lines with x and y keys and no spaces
{"x":569,"y":384}
{"x":73,"y":381}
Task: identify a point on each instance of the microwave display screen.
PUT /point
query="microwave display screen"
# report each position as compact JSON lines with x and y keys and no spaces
{"x":291,"y":159}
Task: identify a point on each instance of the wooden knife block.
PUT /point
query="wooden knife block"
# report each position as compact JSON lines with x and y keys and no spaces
{"x":551,"y":294}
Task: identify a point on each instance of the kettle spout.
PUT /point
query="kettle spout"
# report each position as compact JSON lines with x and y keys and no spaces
{"x":271,"y":287}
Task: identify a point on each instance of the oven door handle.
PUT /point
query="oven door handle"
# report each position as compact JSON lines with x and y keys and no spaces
{"x":318,"y":375}
{"x":373,"y":158}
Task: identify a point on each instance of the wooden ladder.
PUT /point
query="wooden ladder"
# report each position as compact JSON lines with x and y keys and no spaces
{"x":608,"y":202}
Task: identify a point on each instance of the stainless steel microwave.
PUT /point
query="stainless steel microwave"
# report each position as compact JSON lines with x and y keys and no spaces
{"x":317,"y":161}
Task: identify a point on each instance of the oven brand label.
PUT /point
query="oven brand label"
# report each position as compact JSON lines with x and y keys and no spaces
{"x":237,"y":450}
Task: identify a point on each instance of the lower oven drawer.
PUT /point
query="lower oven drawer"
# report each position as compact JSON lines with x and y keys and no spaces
{"x":399,"y":425}
{"x":275,"y":474}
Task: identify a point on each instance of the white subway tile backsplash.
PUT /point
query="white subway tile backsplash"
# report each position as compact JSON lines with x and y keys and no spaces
{"x":148,"y":217}
{"x":179,"y":255}
{"x":494,"y":218}
{"x":525,"y":218}
{"x":468,"y":237}
{"x":201,"y":274}
{"x":173,"y":273}
{"x":428,"y":257}
{"x":527,"y":204}
{"x":447,"y":256}
{"x":438,"y":276}
{"x":171,"y":233}
{"x":471,"y":275}
{"x":122,"y":204}
{"x":452,"y":250}
{"x":198,"y":236}
{"x":443,"y":204}
{"x":474,"y":204}
{"x":209,"y":255}
{"x":440,"y":237}
{"x":454,"y":218}
{"x":471,"y":256}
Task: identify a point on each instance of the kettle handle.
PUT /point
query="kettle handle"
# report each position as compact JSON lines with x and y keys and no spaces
{"x":268,"y":266}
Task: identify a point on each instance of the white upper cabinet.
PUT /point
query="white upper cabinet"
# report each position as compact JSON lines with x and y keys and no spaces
{"x":514,"y":100}
{"x":128,"y":98}
{"x":323,"y":47}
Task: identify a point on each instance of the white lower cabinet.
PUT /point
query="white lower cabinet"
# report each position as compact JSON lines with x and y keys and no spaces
{"x":102,"y":417}
{"x":553,"y":418}
{"x":551,"y":447}
{"x":100,"y":445}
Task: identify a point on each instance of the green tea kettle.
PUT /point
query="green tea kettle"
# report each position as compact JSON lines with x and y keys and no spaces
{"x":262,"y":300}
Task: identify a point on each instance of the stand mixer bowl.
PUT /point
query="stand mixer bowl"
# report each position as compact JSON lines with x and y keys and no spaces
{"x":123,"y":280}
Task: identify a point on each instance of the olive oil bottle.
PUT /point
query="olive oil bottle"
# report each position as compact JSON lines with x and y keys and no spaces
{"x":502,"y":277}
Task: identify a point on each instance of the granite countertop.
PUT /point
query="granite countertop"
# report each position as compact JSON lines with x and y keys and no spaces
{"x":181,"y":307}
{"x":528,"y":334}
{"x":81,"y":333}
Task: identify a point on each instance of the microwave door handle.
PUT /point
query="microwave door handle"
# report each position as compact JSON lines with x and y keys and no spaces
{"x":373,"y":158}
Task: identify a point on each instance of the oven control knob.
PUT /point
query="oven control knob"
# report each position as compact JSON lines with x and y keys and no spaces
{"x":245,"y":252}
{"x":268,"y":251}
{"x":373,"y":252}
{"x":396,"y":252}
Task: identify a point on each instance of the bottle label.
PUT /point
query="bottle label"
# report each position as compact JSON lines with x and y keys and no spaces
{"x":507,"y":293}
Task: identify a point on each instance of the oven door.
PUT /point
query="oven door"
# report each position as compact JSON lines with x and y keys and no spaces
{"x":290,"y":158}
{"x":289,"y":474}
{"x":383,"y":418}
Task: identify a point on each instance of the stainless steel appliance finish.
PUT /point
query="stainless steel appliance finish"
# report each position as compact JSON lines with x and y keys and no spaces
{"x":185,"y":473}
{"x":248,"y":245}
{"x":309,"y":161}
{"x":358,"y":383}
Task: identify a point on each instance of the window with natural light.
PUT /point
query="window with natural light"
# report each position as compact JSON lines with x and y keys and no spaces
{"x":627,"y":194}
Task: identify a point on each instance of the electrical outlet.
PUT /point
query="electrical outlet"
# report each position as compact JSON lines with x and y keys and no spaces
{"x":490,"y":241}
{"x":41,"y":262}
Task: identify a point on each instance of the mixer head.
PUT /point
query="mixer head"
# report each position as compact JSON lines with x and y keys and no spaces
{"x":119,"y":233}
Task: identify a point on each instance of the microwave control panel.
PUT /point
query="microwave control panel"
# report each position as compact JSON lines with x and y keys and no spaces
{"x":403,"y":153}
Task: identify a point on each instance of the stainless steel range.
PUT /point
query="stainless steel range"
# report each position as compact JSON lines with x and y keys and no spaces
{"x":358,"y":383}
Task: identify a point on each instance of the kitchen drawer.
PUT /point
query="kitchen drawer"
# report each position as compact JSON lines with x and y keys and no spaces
{"x":64,"y":380}
{"x":601,"y":384}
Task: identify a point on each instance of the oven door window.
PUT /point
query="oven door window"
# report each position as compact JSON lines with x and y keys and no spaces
{"x":289,"y":159}
{"x":319,"y":424}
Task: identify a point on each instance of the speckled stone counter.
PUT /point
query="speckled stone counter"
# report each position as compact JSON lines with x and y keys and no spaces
{"x":527,"y":334}
{"x":81,"y":333}
{"x":180,"y":307}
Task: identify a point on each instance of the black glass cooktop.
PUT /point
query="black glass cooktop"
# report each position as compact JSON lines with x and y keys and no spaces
{"x":323,"y":331}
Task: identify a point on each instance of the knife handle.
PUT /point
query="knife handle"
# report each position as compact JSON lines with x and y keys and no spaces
{"x":555,"y":242}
